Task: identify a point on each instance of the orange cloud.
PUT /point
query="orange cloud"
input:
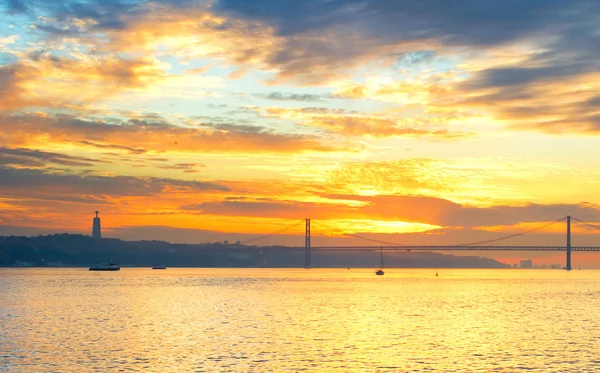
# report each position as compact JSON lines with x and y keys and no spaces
{"x":482,"y":181}
{"x":46,"y":81}
{"x":14,"y":94}
{"x":149,"y":135}
{"x":357,"y":124}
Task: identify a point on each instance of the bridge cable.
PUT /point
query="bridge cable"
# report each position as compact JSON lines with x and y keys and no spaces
{"x":269,"y":234}
{"x":464,"y":244}
{"x":584,"y":223}
{"x":511,"y":235}
{"x":589,"y":225}
{"x":357,"y":236}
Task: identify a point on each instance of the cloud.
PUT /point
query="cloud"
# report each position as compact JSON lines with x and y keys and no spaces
{"x":29,"y":157}
{"x":302,"y":97}
{"x":414,"y":209}
{"x":50,"y":81}
{"x":358,"y":124}
{"x":307,"y":41}
{"x":489,"y":23}
{"x":523,"y":76}
{"x":472,"y":181}
{"x":425,"y":90}
{"x":196,"y":32}
{"x":312,"y":43}
{"x":157,"y":136}
{"x":33,"y":183}
{"x":130,"y":150}
{"x":186,"y":167}
{"x":541,"y":103}
{"x":13,"y":94}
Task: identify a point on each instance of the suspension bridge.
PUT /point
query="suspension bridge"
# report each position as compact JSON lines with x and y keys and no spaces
{"x":299,"y":237}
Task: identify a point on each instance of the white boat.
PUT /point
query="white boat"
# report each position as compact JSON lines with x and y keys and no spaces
{"x":380,"y":272}
{"x":159,"y":267}
{"x":111,"y":266}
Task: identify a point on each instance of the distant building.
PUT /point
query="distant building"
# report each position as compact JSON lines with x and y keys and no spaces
{"x":527,"y":263}
{"x":96,"y":230}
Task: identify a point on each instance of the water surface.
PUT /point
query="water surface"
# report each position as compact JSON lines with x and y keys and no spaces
{"x":318,"y":320}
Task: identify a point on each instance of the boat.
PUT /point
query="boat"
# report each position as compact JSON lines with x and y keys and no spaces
{"x":380,"y":272}
{"x":159,"y":266}
{"x":110,"y":266}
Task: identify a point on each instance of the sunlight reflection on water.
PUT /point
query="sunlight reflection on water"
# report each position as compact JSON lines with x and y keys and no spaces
{"x":241,"y":320}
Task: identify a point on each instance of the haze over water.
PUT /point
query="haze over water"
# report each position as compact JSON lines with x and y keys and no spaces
{"x":242,"y":320}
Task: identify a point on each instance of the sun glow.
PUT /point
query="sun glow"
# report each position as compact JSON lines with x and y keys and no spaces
{"x":381,"y":226}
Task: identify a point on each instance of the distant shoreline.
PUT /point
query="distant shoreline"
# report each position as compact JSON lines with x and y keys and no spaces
{"x":79,"y":251}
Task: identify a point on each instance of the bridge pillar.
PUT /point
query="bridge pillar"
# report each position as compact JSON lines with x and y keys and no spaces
{"x":568,"y":266}
{"x":307,"y":261}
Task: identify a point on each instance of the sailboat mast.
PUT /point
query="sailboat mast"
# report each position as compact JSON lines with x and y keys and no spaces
{"x":381,"y":252}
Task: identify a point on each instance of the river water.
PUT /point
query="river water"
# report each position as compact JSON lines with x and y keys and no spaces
{"x":318,"y":320}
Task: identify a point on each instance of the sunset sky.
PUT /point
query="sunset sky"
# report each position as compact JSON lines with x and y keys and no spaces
{"x":428,"y":121}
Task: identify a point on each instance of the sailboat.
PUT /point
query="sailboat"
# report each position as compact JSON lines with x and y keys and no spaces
{"x":379,"y":272}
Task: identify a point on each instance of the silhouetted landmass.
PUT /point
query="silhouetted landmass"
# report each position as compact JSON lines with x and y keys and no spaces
{"x":69,"y":250}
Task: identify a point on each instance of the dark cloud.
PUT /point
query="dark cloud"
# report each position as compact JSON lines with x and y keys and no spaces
{"x":237,"y":128}
{"x":594,"y":102}
{"x":38,"y":158}
{"x":33,"y":183}
{"x":251,"y":208}
{"x":514,"y":76}
{"x":112,"y":146}
{"x":464,"y":21}
{"x":186,"y":167}
{"x":303,"y":97}
{"x":573,"y":49}
{"x":418,"y":209}
{"x":57,"y":199}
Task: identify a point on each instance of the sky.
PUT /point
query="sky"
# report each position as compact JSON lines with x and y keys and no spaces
{"x":425,"y":122}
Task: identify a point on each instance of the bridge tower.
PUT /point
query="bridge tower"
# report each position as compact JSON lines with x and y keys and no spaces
{"x":307,"y":261}
{"x":568,"y":266}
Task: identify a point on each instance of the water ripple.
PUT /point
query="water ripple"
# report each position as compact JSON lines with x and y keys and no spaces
{"x":250,"y":320}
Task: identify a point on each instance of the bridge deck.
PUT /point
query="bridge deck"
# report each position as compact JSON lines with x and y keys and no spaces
{"x":454,"y":248}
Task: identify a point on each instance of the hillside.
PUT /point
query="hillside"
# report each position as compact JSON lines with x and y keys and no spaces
{"x":68,"y":250}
